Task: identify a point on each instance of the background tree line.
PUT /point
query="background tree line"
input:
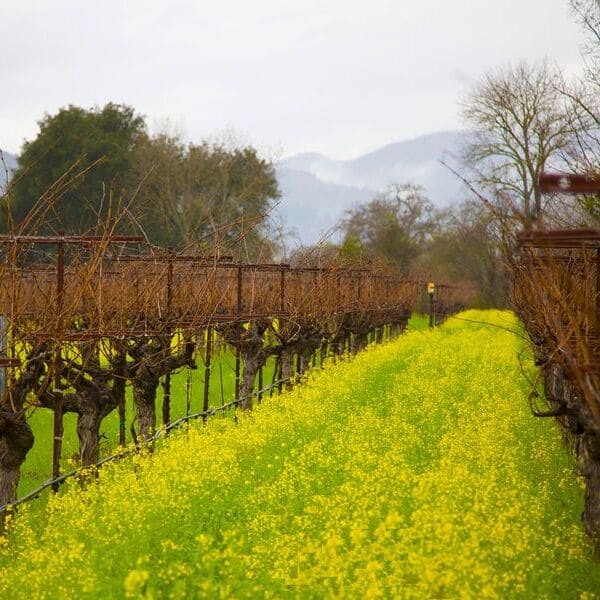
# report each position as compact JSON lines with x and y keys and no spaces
{"x":458,"y":244}
{"x":88,"y":164}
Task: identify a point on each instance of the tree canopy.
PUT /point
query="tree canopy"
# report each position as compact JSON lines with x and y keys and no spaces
{"x":69,"y":168}
{"x":519,"y":121}
{"x":84,"y":161}
{"x":394,"y":225}
{"x":205,"y":193}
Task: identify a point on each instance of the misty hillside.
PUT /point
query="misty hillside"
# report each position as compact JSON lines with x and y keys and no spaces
{"x":316,"y":190}
{"x":310,"y":207}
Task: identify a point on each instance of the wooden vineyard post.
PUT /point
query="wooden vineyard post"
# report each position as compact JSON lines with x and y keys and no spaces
{"x":275,"y":368}
{"x":237,"y":373}
{"x":260,"y":384}
{"x":166,"y":406}
{"x":188,"y":393}
{"x":323,"y":351}
{"x":237,"y":351}
{"x":339,"y":349}
{"x":207,"y":357}
{"x":597,"y":303}
{"x":121,"y":403}
{"x":58,"y":405}
{"x":282,"y":289}
{"x":278,"y":368}
{"x":279,"y":371}
{"x":57,"y":441}
{"x":221,"y":373}
{"x":3,"y":355}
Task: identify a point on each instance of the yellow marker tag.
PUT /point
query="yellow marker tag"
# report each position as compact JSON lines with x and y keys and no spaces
{"x":431,"y":288}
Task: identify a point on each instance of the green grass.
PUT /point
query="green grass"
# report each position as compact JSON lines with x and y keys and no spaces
{"x":418,"y":322}
{"x":414,"y":470}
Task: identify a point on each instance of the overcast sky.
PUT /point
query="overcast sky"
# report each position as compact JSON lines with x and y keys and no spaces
{"x":340,"y":77}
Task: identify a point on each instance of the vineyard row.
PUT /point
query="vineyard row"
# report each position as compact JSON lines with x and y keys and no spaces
{"x":91,"y":316}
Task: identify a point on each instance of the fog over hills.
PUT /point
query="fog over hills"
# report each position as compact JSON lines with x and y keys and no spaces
{"x":310,"y":207}
{"x":316,"y":190}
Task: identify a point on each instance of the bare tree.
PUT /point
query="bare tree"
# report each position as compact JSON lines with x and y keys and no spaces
{"x":153,"y":359}
{"x":587,"y":12}
{"x":520,"y":123}
{"x":468,"y":249}
{"x":583,"y":95}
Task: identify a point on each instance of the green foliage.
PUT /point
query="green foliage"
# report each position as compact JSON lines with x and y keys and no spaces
{"x":205,"y":193}
{"x":392,"y":226}
{"x":72,"y":164}
{"x":467,"y":249}
{"x":85,"y":164}
{"x":352,"y":247}
{"x":591,"y":205}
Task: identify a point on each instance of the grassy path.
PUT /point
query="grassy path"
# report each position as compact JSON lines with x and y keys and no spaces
{"x":414,"y":471}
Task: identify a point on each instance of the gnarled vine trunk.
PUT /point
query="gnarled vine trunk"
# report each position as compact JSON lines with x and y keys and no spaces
{"x":588,"y":459}
{"x":287,"y":366}
{"x":306,"y":349}
{"x":249,"y":342}
{"x":304,"y":356}
{"x":580,"y":431}
{"x":253,"y":361}
{"x":144,"y":399}
{"x":338,"y":342}
{"x":93,"y":397}
{"x":360,"y":341}
{"x":16,"y":436}
{"x":152,"y":358}
{"x":16,"y":440}
{"x":88,"y":432}
{"x":323,"y":350}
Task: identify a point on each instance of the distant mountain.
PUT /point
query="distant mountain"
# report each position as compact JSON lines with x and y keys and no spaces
{"x":310,"y":207}
{"x":8,"y":162}
{"x":316,"y":190}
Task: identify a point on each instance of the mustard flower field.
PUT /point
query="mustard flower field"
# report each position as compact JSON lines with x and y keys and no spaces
{"x":413,"y":470}
{"x":38,"y":465}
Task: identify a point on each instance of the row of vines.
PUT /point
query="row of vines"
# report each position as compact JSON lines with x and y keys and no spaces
{"x":557,"y":296}
{"x":84,"y":317}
